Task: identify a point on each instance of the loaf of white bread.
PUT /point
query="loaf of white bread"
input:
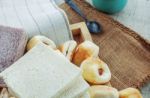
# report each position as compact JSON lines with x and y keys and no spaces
{"x":44,"y":73}
{"x":76,"y":90}
{"x":86,"y":95}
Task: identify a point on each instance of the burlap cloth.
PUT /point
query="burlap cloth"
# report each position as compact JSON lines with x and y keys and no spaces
{"x":126,"y":53}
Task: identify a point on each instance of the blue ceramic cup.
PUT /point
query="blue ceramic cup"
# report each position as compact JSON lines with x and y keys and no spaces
{"x":108,"y":6}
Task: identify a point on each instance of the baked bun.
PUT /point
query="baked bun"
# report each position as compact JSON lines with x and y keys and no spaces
{"x":100,"y":91}
{"x":95,"y":71}
{"x":68,"y":49}
{"x":108,"y":84}
{"x":4,"y":93}
{"x":40,"y":39}
{"x":85,"y":50}
{"x":130,"y":93}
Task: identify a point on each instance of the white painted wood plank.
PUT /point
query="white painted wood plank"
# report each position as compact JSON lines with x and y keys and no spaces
{"x":136,"y":16}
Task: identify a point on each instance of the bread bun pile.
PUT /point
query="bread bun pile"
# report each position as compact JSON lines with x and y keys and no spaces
{"x":94,"y":70}
{"x":85,"y":55}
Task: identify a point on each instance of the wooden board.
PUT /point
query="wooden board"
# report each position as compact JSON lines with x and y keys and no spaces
{"x":126,"y":53}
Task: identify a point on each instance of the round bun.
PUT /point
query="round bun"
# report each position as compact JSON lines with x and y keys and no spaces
{"x":68,"y":49}
{"x":130,"y":93}
{"x":95,"y":71}
{"x":100,"y":91}
{"x":85,"y":50}
{"x":40,"y":39}
{"x":4,"y":93}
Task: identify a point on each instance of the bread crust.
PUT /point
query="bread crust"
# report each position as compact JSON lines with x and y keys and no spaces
{"x":68,"y":48}
{"x":40,"y":39}
{"x":95,"y":71}
{"x":100,"y":91}
{"x":130,"y":93}
{"x":85,"y":50}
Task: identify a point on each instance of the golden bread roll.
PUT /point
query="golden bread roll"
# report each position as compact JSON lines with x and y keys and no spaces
{"x":95,"y":71}
{"x":85,"y":50}
{"x":101,"y":91}
{"x":40,"y":39}
{"x":68,"y":49}
{"x":108,"y":84}
{"x":130,"y":93}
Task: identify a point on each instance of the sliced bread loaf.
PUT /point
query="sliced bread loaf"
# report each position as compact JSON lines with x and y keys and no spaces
{"x":86,"y":95}
{"x":76,"y":90}
{"x":41,"y":73}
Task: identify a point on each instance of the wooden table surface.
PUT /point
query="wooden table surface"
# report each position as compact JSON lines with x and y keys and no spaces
{"x":137,"y":17}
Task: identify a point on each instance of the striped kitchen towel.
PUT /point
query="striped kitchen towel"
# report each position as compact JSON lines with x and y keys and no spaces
{"x":36,"y":17}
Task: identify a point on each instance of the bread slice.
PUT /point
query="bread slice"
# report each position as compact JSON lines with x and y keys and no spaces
{"x":41,"y":73}
{"x":86,"y":95}
{"x":76,"y":90}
